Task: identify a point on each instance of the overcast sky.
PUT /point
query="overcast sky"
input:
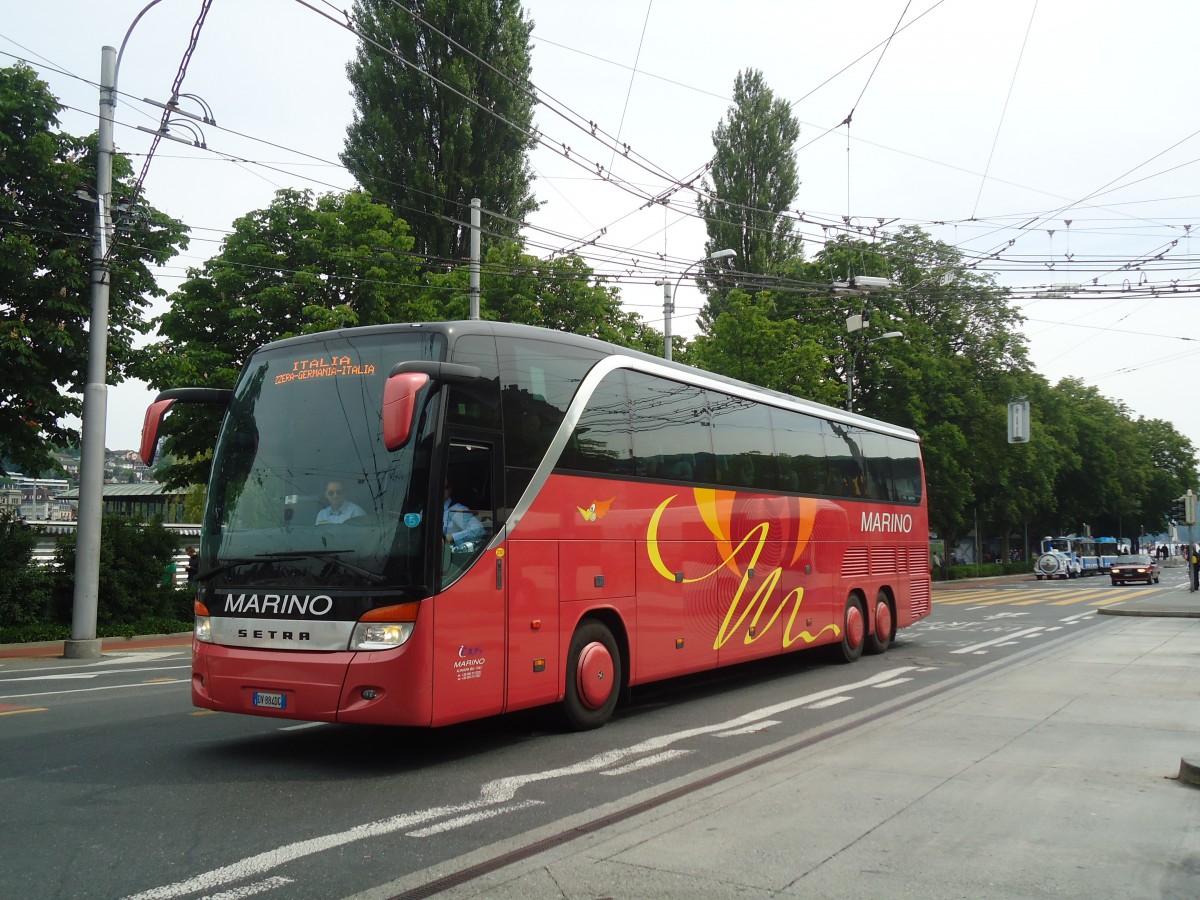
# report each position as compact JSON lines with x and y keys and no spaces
{"x":1059,"y":135}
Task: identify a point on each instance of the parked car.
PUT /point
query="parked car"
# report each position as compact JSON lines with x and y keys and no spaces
{"x":1136,"y":567}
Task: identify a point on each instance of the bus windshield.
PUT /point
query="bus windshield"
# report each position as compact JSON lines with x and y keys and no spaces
{"x":303,"y":492}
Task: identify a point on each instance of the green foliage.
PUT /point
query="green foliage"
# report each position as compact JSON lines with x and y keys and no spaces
{"x":134,"y":559}
{"x":304,"y":264}
{"x":24,"y":586}
{"x":193,"y":503}
{"x":436,"y":125}
{"x":557,"y":293}
{"x":51,"y":631}
{"x":983,"y":570}
{"x":747,"y":342}
{"x":45,"y":270}
{"x":754,"y":179}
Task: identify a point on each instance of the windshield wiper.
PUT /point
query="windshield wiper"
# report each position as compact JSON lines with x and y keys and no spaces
{"x":232,"y":564}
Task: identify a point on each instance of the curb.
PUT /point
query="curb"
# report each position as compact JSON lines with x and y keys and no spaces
{"x":1189,"y":771}
{"x":108,"y":645}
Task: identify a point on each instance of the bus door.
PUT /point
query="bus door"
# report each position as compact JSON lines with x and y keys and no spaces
{"x":469,"y":652}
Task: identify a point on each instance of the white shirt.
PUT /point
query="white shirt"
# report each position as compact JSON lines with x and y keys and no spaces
{"x":349,"y":510}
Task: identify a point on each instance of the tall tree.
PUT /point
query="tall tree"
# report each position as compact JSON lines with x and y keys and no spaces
{"x":45,"y":270}
{"x":444,"y":113}
{"x":753,"y":181}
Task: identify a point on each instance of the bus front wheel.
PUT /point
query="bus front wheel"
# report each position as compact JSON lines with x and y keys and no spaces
{"x":593,"y":676}
{"x":854,"y":630}
{"x":885,"y":626}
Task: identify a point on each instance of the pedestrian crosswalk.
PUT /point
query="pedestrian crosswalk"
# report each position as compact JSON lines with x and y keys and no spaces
{"x":1041,"y":595}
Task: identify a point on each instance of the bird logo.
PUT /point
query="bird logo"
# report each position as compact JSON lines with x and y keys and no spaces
{"x":597,"y":510}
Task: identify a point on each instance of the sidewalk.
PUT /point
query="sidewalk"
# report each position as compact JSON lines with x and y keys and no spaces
{"x":107,"y":645}
{"x":1056,"y":776}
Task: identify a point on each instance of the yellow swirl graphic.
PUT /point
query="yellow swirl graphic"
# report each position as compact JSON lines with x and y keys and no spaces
{"x":716,"y":511}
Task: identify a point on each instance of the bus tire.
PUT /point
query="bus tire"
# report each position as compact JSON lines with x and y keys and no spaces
{"x":885,"y":626}
{"x":854,"y":630}
{"x":593,"y":676}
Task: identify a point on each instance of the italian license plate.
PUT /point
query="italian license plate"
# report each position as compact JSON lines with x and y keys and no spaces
{"x":269,"y":700}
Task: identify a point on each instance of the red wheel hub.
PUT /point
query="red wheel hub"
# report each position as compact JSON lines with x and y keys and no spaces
{"x":855,"y":627}
{"x":594,"y":675}
{"x":883,"y":621}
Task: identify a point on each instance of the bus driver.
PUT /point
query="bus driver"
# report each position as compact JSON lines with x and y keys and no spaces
{"x":339,"y":509}
{"x":459,"y":525}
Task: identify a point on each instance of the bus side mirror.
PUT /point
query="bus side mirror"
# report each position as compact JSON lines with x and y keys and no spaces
{"x":154,"y":416}
{"x":400,"y":406}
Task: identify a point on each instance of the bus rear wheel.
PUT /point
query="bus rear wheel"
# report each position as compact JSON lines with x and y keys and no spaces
{"x":593,"y":676}
{"x":885,"y":626}
{"x":854,"y":630}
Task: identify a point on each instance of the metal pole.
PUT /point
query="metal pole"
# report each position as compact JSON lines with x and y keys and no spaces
{"x":83,"y":643}
{"x":850,"y":385}
{"x":668,"y":310}
{"x":475,"y":223}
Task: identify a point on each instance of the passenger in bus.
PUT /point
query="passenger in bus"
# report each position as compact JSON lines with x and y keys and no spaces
{"x":460,"y":527}
{"x":740,"y":471}
{"x":677,"y":466}
{"x":339,"y":509}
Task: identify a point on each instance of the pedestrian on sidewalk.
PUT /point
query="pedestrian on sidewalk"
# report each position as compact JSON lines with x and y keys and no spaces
{"x":1193,"y":559}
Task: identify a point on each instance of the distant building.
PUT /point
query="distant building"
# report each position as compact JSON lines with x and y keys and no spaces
{"x":10,"y":500}
{"x":41,"y":499}
{"x":145,"y":501}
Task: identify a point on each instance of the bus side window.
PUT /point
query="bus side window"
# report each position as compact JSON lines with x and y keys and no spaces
{"x":670,"y":424}
{"x":466,"y":522}
{"x":602,"y":441}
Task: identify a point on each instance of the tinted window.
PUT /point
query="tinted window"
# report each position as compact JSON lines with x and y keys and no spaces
{"x":843,"y":448}
{"x":538,"y":380}
{"x":603,"y":441}
{"x":906,"y":469}
{"x":742,"y":444}
{"x":800,"y":445}
{"x":878,"y":462}
{"x":477,"y":403}
{"x":670,"y":429}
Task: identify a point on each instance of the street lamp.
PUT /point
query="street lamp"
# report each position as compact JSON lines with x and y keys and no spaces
{"x":669,"y":295}
{"x":886,"y":336}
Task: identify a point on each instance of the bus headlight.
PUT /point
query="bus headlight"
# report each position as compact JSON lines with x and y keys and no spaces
{"x":385,"y":628}
{"x":380,"y":635}
{"x":203,"y":629}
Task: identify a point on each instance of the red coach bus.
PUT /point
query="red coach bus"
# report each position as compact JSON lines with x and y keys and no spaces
{"x":420,"y":524}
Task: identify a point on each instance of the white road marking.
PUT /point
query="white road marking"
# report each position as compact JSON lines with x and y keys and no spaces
{"x":1000,"y":640}
{"x":649,"y":761}
{"x":480,"y":816}
{"x":62,"y":676}
{"x":832,"y":701}
{"x":1078,"y":617}
{"x":107,"y":687}
{"x":497,"y":793}
{"x":751,"y":729}
{"x":249,"y":890}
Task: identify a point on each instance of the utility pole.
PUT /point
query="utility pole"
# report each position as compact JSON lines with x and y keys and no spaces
{"x":474,"y":278}
{"x":84,"y":643}
{"x":668,"y":312}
